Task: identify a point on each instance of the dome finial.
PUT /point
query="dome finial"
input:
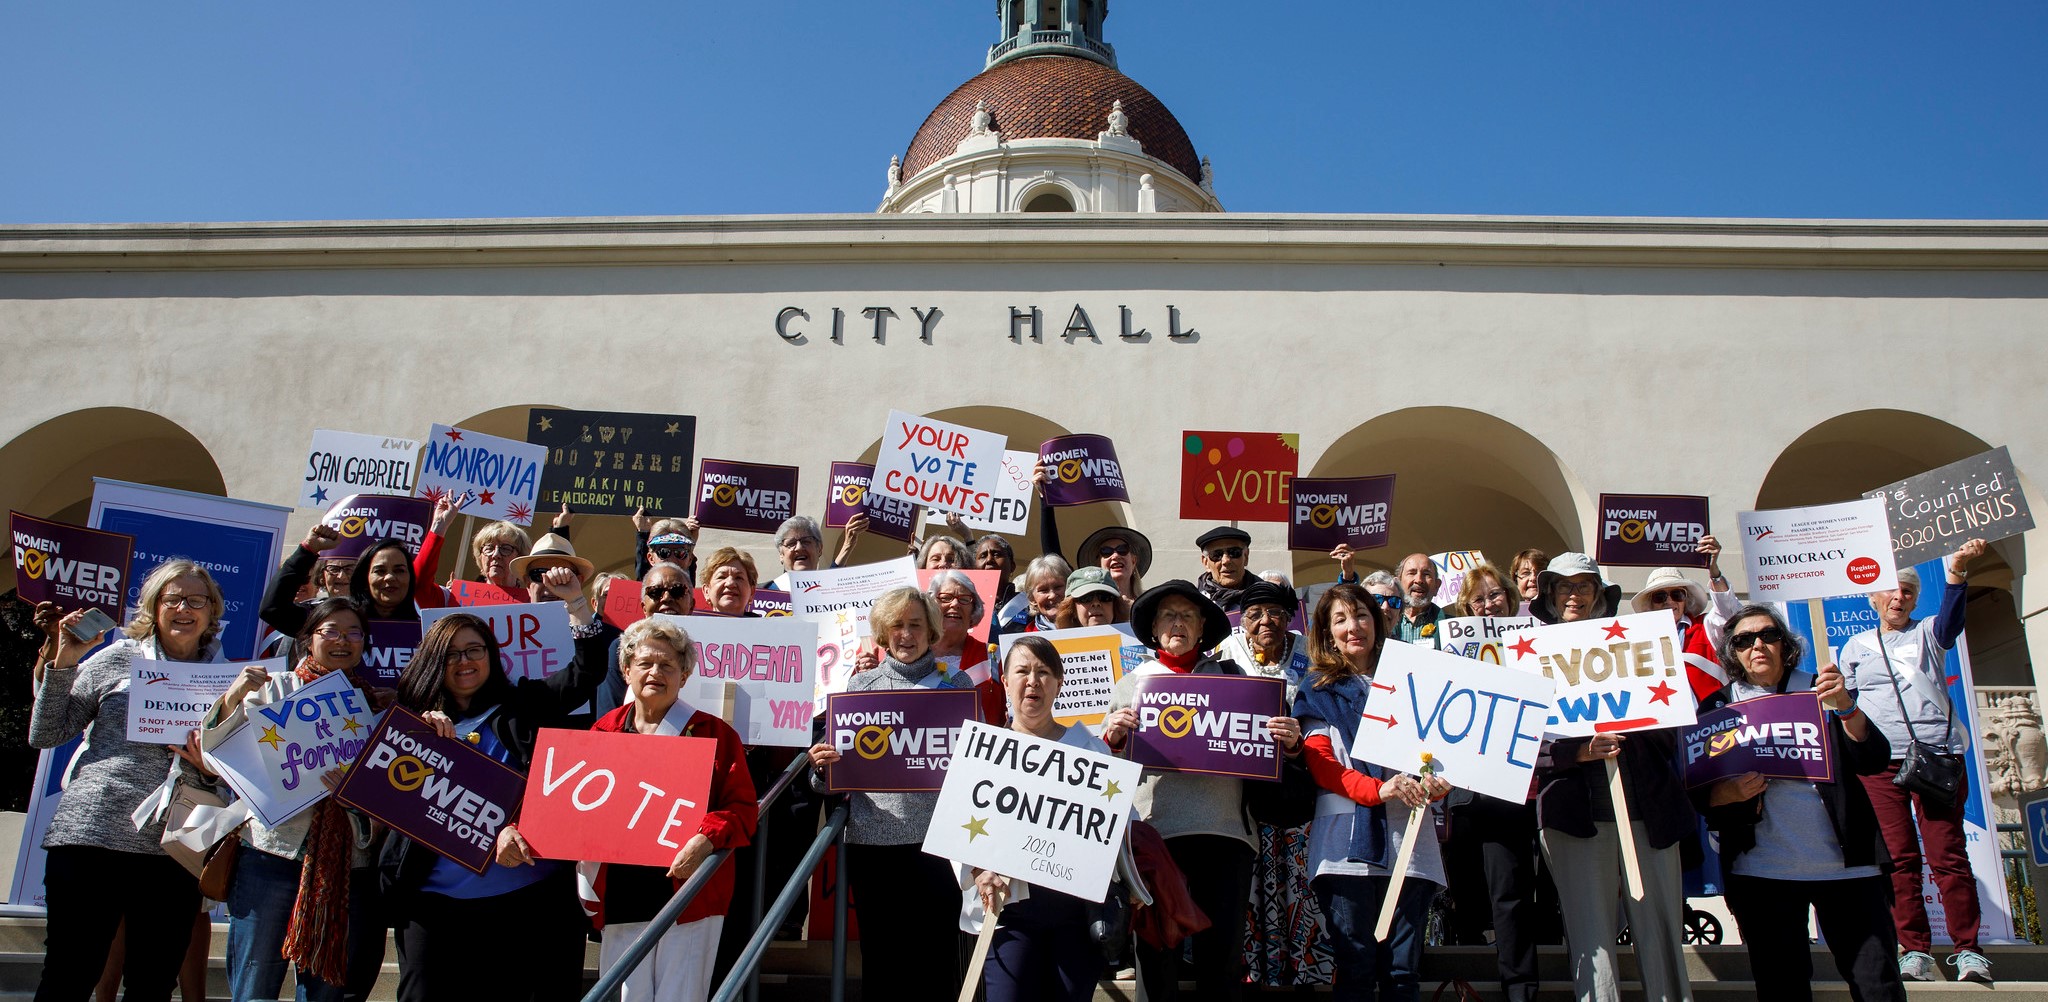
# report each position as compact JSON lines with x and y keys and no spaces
{"x":1052,"y":27}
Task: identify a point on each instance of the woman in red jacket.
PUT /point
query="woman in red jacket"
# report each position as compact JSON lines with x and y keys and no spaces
{"x":657,"y":657}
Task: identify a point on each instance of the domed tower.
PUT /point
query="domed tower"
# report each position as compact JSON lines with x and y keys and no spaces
{"x":1050,"y":126}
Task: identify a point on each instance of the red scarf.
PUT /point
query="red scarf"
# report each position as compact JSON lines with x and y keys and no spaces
{"x":317,"y":938}
{"x":1181,"y":663}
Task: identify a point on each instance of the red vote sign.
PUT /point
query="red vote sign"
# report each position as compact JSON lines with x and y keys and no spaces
{"x":1238,"y":476}
{"x":615,"y":798}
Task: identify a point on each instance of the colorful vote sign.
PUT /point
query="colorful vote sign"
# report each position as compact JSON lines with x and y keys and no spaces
{"x":1237,"y":475}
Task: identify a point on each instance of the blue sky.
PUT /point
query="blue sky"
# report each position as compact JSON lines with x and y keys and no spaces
{"x":122,"y":112}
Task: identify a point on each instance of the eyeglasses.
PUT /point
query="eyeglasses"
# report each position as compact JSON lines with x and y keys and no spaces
{"x":330,"y":633}
{"x":1570,"y":587}
{"x":799,"y":542}
{"x":659,"y":592}
{"x":1113,"y":550}
{"x":1222,"y":553}
{"x":490,"y":548}
{"x":1769,"y":635}
{"x":337,"y":570}
{"x":193,"y":602}
{"x":677,"y":553}
{"x":474,"y":652}
{"x":1667,"y":595}
{"x":1497,"y":596}
{"x":1263,"y":613}
{"x":1387,"y":601}
{"x":953,"y":598}
{"x":536,"y":574}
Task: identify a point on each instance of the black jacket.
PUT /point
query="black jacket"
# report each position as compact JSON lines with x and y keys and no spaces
{"x":1847,"y":804}
{"x":1571,"y":795}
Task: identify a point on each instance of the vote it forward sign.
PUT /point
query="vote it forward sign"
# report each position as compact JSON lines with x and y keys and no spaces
{"x":1625,"y":674}
{"x":440,"y":792}
{"x":896,"y":741}
{"x":1779,"y":737}
{"x":1049,"y":814}
{"x":1482,"y":724}
{"x":504,"y":474}
{"x":75,"y":567}
{"x":1818,"y":551}
{"x":616,"y":798}
{"x":941,"y":465}
{"x":1211,"y":724}
{"x":276,"y":758}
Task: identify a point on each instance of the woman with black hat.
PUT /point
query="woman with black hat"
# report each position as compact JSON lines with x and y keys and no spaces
{"x":1119,"y":549}
{"x":1202,"y":818}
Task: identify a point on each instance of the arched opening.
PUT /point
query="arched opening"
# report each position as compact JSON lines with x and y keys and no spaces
{"x":1464,"y":480}
{"x":50,"y":467}
{"x":1844,"y":456}
{"x":1049,"y":200}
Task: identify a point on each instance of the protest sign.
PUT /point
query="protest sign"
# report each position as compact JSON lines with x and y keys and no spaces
{"x":1084,"y":470}
{"x":341,"y":463}
{"x":1092,"y":664}
{"x":1237,"y":476}
{"x":770,"y":666}
{"x":362,"y":519}
{"x":387,"y":648}
{"x":769,"y":602}
{"x":275,"y":759}
{"x":1779,"y":737}
{"x":1009,"y":502}
{"x":1451,"y":568}
{"x":504,"y":474}
{"x":1333,"y":511}
{"x":614,"y":462}
{"x":238,"y":542}
{"x":1481,"y":638}
{"x":439,"y":792}
{"x":616,"y":798}
{"x":474,"y":593}
{"x":533,"y":637}
{"x":1482,"y":724}
{"x":1214,"y":724}
{"x":938,"y":464}
{"x":838,"y":600}
{"x":745,"y":497}
{"x":1652,"y":530}
{"x":167,"y":700}
{"x":622,"y":605}
{"x":1818,"y":551}
{"x":984,"y":586}
{"x":1049,"y":814}
{"x":889,"y":518}
{"x":894,"y":741}
{"x":75,"y":567}
{"x":1933,"y":514}
{"x":1624,"y":674}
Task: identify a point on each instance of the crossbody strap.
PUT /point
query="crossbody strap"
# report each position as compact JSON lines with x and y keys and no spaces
{"x":1892,"y":674}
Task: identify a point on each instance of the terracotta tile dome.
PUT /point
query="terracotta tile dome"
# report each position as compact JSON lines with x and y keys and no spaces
{"x":1052,"y":97}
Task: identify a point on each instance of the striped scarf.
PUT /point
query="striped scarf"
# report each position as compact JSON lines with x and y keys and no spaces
{"x":317,"y":939}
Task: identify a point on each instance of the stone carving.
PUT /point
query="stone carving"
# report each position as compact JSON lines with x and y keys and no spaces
{"x":979,"y":125}
{"x":1208,"y":177}
{"x":895,"y":174}
{"x":2015,"y":747}
{"x":1119,"y":123}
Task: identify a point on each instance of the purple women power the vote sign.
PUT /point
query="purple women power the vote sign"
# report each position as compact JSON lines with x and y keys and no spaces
{"x":1778,"y":737}
{"x":1327,"y":512}
{"x":362,"y":519}
{"x":1084,"y":470}
{"x":75,"y":567}
{"x":889,"y":518}
{"x":895,"y":741}
{"x":745,"y":497}
{"x":442,"y":793}
{"x":1213,"y":724}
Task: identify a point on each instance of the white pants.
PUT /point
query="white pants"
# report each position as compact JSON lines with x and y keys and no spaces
{"x":1589,"y":882}
{"x":679,"y":969}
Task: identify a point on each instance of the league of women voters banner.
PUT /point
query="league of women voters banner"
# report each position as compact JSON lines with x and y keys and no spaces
{"x":167,"y":700}
{"x":1819,"y":551}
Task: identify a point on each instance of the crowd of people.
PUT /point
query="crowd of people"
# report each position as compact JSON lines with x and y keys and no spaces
{"x":1244,"y":882}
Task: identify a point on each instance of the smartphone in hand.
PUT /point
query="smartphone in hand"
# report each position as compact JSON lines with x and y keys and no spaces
{"x":93,"y":625}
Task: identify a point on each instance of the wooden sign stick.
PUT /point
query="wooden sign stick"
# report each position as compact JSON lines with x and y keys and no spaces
{"x":1631,"y":867}
{"x":972,"y":983}
{"x":1401,"y":860}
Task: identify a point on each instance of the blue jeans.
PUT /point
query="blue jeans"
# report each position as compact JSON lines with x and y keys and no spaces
{"x":1351,"y":907}
{"x":259,"y":913}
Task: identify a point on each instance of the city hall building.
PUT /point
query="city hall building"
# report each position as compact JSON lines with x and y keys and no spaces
{"x":1050,"y":254}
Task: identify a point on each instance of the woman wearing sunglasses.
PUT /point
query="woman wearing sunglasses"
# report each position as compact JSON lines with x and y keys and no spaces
{"x":1791,"y":844}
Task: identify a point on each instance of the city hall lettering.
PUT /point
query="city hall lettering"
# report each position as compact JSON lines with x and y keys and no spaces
{"x":1024,"y":323}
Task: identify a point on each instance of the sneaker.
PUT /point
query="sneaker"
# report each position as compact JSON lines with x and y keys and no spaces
{"x":1917,"y":966}
{"x":1971,"y":966}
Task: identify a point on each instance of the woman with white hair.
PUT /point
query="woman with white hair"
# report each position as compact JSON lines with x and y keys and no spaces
{"x":941,"y":551}
{"x":1045,"y":585}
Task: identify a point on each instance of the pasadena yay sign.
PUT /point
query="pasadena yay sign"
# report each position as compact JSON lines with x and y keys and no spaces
{"x":1625,"y":674}
{"x":769,"y":664}
{"x":941,"y":465}
{"x":1819,"y":551}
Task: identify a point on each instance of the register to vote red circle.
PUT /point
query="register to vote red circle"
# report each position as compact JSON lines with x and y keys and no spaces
{"x":1863,"y":570}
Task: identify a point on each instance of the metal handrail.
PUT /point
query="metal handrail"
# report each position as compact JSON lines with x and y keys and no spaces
{"x":832,"y":834}
{"x":608,"y":982}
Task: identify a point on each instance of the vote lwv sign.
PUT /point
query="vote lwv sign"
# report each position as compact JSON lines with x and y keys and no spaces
{"x":1625,"y":674}
{"x":1482,"y":724}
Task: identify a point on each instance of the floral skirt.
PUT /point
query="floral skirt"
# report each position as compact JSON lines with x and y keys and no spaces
{"x":1284,"y":943}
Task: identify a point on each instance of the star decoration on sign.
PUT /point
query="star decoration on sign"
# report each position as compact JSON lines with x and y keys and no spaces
{"x":271,"y":737}
{"x":454,"y":435}
{"x":547,"y":423}
{"x":319,"y":495}
{"x":976,"y":827}
{"x":1662,"y":693}
{"x":1523,"y":648}
{"x":485,"y":497}
{"x":1110,"y":790}
{"x":517,"y":512}
{"x":1616,"y":631}
{"x":674,"y":428}
{"x":350,"y":725}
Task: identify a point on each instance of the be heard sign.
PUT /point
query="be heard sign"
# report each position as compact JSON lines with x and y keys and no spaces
{"x":1818,"y":552}
{"x":1237,"y":476}
{"x":1333,"y":511}
{"x":1652,"y":530}
{"x":1625,"y":674}
{"x":938,"y":464}
{"x":745,"y":497}
{"x":1481,"y":723}
{"x":75,"y":567}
